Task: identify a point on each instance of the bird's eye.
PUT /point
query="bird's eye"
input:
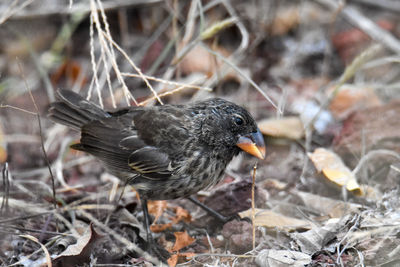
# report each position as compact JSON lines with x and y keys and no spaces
{"x":238,"y":120}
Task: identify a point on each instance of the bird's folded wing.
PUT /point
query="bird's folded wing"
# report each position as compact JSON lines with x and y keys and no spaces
{"x":151,"y":163}
{"x":116,"y":143}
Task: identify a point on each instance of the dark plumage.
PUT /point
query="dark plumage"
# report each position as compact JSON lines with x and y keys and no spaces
{"x":165,"y":152}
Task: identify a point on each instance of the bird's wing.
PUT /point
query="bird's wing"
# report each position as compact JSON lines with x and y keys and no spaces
{"x":151,"y":163}
{"x":116,"y":143}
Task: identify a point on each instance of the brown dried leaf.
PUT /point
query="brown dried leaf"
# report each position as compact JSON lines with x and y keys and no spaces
{"x":200,"y":60}
{"x":157,"y":228}
{"x":350,"y":98}
{"x":182,"y":214}
{"x":156,"y":208}
{"x":287,"y":127}
{"x":182,"y":239}
{"x":173,"y":260}
{"x":70,"y":70}
{"x":270,"y":219}
{"x":333,"y":168}
{"x":3,"y":146}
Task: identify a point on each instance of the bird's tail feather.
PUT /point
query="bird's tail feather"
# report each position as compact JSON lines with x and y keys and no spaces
{"x":74,"y":111}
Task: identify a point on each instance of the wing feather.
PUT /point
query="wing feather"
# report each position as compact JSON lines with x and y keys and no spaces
{"x":116,"y":143}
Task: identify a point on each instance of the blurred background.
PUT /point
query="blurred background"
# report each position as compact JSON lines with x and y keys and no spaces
{"x":321,"y":77}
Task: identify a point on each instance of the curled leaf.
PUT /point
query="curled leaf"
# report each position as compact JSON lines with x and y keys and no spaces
{"x":333,"y":168}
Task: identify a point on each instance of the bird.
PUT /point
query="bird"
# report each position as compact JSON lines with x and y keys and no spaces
{"x":166,"y":151}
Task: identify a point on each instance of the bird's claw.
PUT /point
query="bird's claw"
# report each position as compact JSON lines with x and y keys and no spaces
{"x":236,"y":217}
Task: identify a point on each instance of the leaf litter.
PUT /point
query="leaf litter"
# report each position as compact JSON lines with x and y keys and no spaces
{"x":340,"y":208}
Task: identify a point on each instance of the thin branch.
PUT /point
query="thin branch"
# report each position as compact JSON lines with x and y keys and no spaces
{"x":41,"y":136}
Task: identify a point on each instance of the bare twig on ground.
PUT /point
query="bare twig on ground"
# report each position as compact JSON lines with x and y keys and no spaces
{"x":253,"y":206}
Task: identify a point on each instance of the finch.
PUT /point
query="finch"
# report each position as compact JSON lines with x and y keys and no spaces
{"x":164,"y":152}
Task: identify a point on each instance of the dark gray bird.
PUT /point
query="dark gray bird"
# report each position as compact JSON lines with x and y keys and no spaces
{"x":164,"y":152}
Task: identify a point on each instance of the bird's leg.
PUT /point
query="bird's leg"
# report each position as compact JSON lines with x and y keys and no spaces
{"x":215,"y":214}
{"x":158,"y":251}
{"x":146,"y":220}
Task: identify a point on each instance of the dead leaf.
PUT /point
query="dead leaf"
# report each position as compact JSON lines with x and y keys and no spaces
{"x":370,"y":128}
{"x":351,"y":98}
{"x":286,"y":127}
{"x":78,"y":253}
{"x":316,"y":238}
{"x":156,"y":208}
{"x":270,"y":219}
{"x":333,"y":168}
{"x":342,"y":177}
{"x":281,"y":258}
{"x":173,"y":260}
{"x":158,"y":228}
{"x":71,"y":70}
{"x":327,"y":206}
{"x":200,"y":60}
{"x":182,"y":239}
{"x":182,"y":215}
{"x":3,"y":146}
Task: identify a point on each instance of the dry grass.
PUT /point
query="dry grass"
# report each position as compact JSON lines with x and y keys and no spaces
{"x":136,"y":53}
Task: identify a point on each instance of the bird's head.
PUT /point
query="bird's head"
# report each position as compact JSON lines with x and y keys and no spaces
{"x":227,"y":126}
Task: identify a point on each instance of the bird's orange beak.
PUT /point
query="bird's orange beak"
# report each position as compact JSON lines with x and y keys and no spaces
{"x":253,"y":144}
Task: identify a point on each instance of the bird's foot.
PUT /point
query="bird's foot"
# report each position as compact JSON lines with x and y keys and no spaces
{"x":151,"y":245}
{"x":236,"y":217}
{"x":221,"y":218}
{"x":156,"y":250}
